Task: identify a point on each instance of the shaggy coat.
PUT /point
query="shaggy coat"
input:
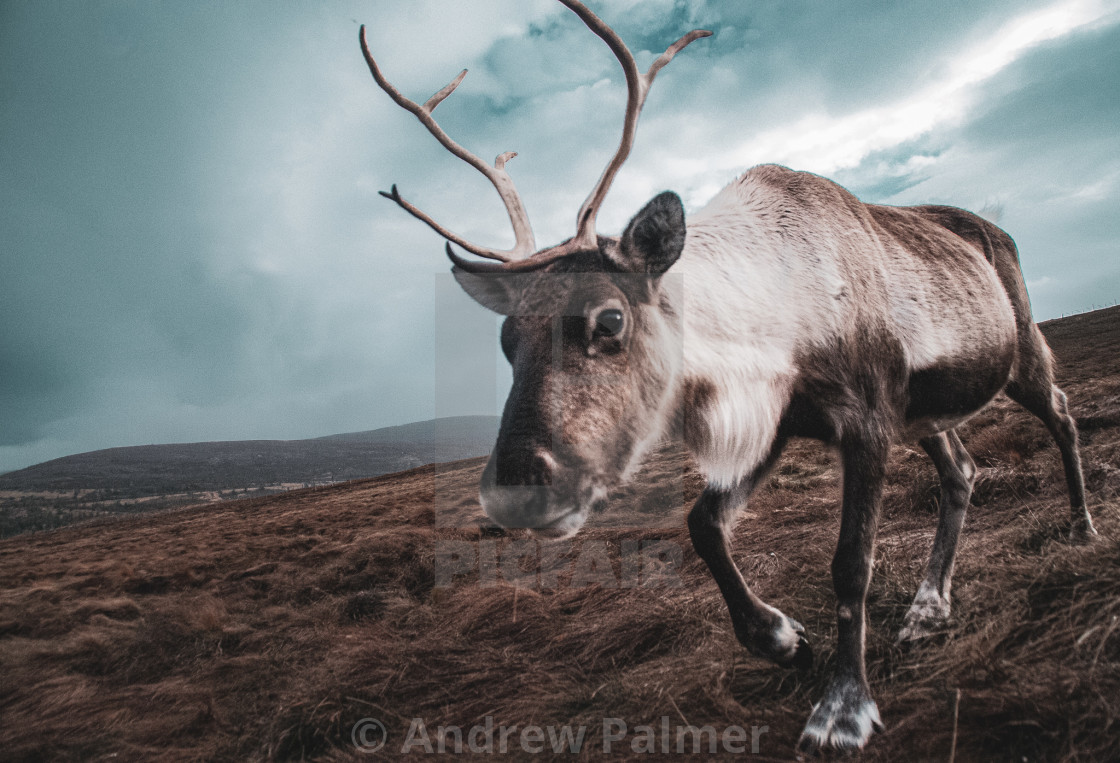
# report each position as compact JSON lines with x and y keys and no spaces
{"x":785,"y":308}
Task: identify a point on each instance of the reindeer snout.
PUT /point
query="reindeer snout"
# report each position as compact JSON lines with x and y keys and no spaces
{"x":518,"y":491}
{"x":520,"y":506}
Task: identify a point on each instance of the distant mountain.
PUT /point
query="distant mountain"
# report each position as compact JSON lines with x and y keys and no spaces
{"x":451,"y":433}
{"x":146,"y":477}
{"x":243,"y":463}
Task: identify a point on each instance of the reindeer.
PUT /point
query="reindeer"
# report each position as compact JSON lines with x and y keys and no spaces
{"x":793,"y":310}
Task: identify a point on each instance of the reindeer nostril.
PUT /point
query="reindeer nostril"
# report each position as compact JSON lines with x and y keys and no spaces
{"x":543,"y":468}
{"x":530,"y":467}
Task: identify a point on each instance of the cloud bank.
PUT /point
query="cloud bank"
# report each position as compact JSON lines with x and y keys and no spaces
{"x":192,"y":245}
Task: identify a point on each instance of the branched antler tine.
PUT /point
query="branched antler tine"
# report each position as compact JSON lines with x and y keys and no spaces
{"x":395,"y":196}
{"x":448,"y":89}
{"x":524,"y":245}
{"x":673,"y":50}
{"x":538,"y":261}
{"x":637,"y":86}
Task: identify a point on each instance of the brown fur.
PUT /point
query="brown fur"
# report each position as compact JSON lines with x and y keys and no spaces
{"x":928,"y":322}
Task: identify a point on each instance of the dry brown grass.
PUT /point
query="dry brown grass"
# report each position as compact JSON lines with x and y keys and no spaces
{"x":266,"y":628}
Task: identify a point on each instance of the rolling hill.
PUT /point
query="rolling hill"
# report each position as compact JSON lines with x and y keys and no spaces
{"x":147,"y":477}
{"x":280,"y":628}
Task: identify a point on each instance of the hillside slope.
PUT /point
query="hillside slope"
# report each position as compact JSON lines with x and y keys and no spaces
{"x":266,"y":629}
{"x":217,"y":465}
{"x":146,"y":477}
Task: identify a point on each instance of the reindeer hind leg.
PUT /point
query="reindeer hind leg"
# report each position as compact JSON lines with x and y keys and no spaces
{"x":957,"y":471}
{"x":1034,"y":389}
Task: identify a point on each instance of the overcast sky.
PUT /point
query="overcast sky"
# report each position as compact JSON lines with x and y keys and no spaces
{"x":192,"y":246}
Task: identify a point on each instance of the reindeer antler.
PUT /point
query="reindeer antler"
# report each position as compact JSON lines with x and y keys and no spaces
{"x":637,"y":87}
{"x":503,"y":183}
{"x":518,"y":258}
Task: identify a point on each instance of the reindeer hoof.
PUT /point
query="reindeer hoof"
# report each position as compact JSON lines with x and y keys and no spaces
{"x":785,"y":645}
{"x":928,"y":614}
{"x":843,"y":721}
{"x":802,"y":658}
{"x":917,"y":630}
{"x":1082,"y":531}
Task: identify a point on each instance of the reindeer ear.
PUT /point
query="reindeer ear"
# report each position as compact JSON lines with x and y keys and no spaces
{"x":494,"y":291}
{"x":653,"y":240}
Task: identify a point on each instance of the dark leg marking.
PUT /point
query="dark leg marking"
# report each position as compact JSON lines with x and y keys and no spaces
{"x":762,"y":629}
{"x":846,"y":716}
{"x":957,"y":471}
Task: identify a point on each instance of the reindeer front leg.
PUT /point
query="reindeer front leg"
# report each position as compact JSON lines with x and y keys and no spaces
{"x":846,"y":716}
{"x":762,"y":629}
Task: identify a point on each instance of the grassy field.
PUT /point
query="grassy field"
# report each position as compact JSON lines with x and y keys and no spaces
{"x":268,"y":628}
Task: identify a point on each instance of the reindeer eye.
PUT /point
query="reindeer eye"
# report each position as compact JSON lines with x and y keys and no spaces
{"x":608,"y":322}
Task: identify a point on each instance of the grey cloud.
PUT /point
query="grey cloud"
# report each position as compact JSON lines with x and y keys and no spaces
{"x":1043,"y":145}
